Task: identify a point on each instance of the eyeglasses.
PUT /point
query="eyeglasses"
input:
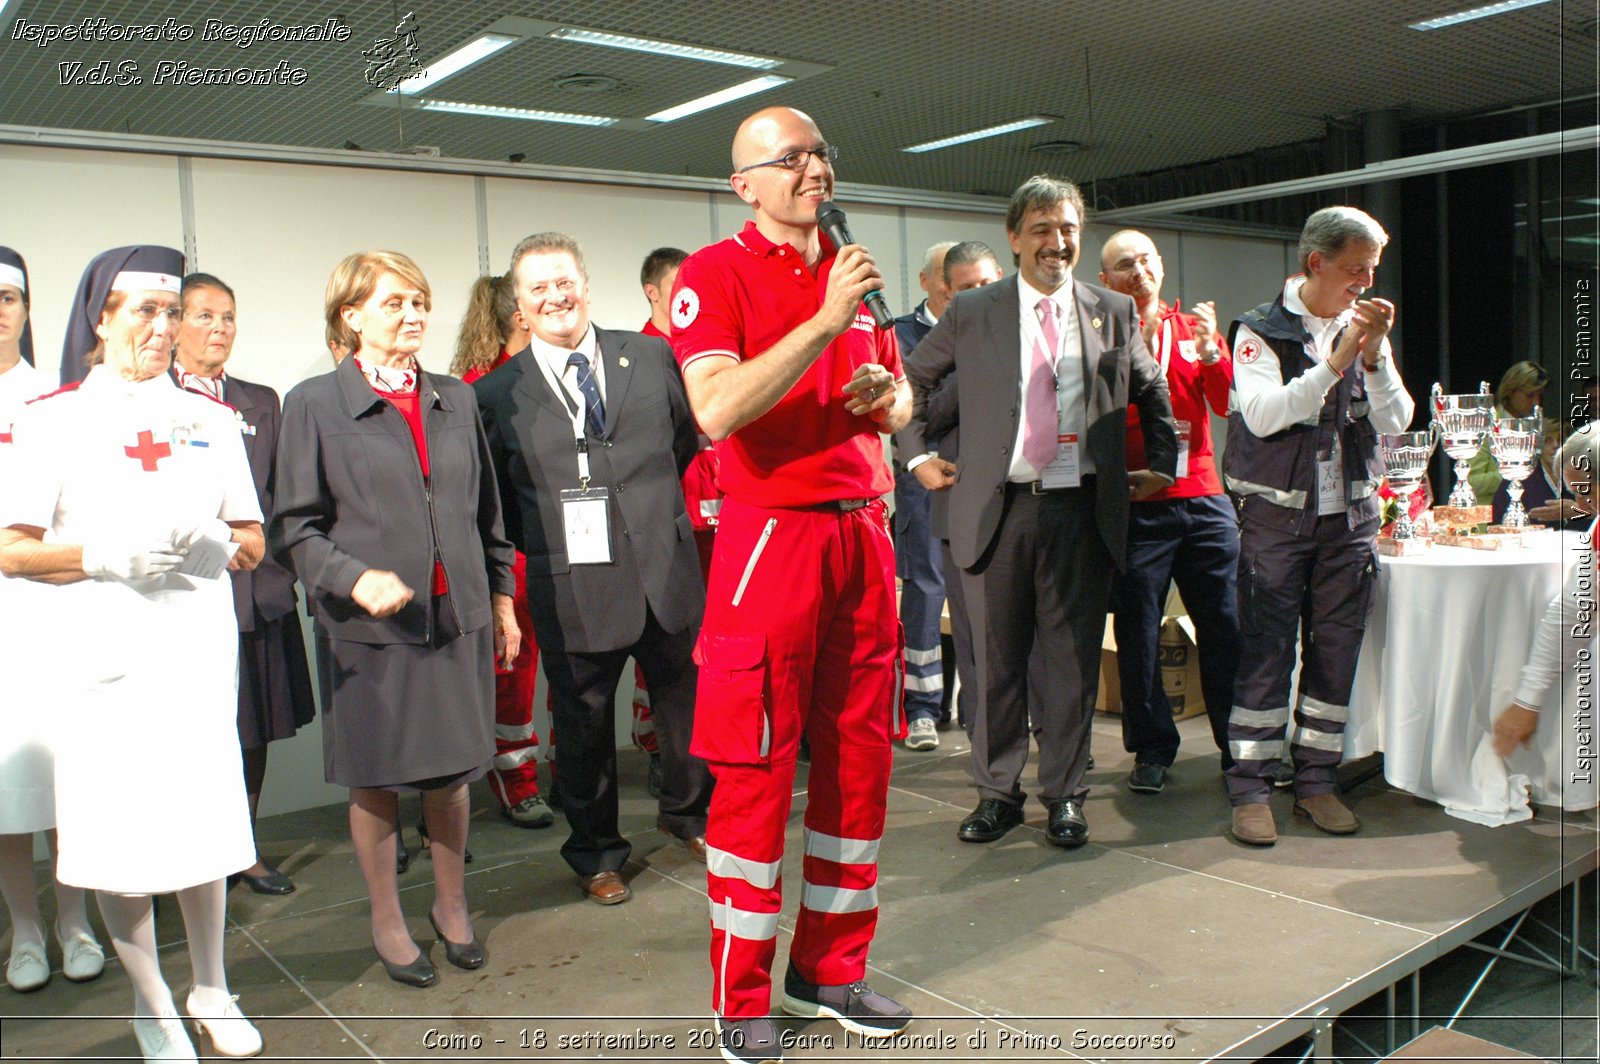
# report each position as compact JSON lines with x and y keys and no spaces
{"x":798,"y":159}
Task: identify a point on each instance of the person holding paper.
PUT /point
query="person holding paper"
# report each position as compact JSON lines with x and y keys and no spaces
{"x":112,"y":486}
{"x":590,"y":431}
{"x":387,"y":511}
{"x":275,"y":696}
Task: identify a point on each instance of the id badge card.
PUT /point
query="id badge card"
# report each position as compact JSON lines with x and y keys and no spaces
{"x":1330,"y":486}
{"x":586,"y":521}
{"x":1062,"y":472}
{"x":1184,"y":431}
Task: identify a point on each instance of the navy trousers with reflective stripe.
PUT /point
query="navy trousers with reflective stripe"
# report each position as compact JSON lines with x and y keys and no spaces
{"x":1321,"y":586}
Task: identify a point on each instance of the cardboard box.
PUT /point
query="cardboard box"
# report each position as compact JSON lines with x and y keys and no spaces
{"x":1179,"y":661}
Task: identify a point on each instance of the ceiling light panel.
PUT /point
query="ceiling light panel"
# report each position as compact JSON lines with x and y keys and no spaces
{"x":1473,"y":13}
{"x":476,"y":50}
{"x":720,"y":97}
{"x":667,"y":48}
{"x":981,"y":134}
{"x":528,"y":114}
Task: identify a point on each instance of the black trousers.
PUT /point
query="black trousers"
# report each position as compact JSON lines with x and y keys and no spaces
{"x":583,"y":687}
{"x":1041,"y":588}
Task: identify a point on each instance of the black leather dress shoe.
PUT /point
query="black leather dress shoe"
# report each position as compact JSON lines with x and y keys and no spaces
{"x":420,"y":972}
{"x":990,"y":821}
{"x":468,"y":955}
{"x":274,"y":882}
{"x":1067,"y":827}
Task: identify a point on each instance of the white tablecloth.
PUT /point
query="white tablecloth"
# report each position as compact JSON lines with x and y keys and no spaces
{"x":1449,"y":633}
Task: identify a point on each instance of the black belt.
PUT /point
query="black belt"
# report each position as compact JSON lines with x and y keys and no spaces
{"x":847,"y":505}
{"x":1035,"y":487}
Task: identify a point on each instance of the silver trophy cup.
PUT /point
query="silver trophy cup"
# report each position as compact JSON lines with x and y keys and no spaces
{"x":1405,"y":463}
{"x":1514,"y":442}
{"x":1463,"y":421}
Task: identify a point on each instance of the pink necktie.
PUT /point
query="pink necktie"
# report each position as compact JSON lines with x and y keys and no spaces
{"x":1042,"y":416}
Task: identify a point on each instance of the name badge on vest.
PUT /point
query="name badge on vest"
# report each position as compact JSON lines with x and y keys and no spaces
{"x":245,"y":428}
{"x":1331,"y":498}
{"x":586,"y":522}
{"x":1062,"y":472}
{"x":1184,"y":433}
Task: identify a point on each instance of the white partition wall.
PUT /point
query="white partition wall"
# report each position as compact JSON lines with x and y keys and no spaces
{"x":274,"y":230}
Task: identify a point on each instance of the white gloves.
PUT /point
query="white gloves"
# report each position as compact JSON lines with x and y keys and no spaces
{"x":127,"y":562}
{"x":216,"y":529}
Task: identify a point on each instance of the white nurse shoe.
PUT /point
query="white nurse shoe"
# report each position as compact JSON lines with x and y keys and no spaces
{"x":27,"y":970}
{"x":82,"y":959}
{"x":232,"y":1035}
{"x":163,"y":1038}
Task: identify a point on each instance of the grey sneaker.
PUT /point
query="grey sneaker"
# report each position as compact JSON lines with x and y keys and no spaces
{"x":753,"y":1041}
{"x":858,"y":1008}
{"x":531,"y":812}
{"x":922,"y":735}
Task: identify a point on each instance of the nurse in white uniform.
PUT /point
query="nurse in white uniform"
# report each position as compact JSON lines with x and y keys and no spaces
{"x":134,"y":498}
{"x":27,"y":793}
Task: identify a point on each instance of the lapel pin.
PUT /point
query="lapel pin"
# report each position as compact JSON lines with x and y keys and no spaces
{"x":1095,"y":322}
{"x":623,"y":362}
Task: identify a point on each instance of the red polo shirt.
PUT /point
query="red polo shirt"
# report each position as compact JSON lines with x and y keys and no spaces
{"x":737,"y":299}
{"x":1191,"y":386}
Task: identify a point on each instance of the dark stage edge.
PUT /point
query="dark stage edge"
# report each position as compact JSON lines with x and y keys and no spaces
{"x":1161,"y":940}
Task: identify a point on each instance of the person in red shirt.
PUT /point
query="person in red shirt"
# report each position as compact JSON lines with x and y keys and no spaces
{"x":492,"y":332}
{"x":787,"y":373}
{"x":1186,"y":532}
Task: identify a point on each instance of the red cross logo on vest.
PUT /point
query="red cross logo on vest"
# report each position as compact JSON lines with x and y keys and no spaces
{"x":148,"y":452}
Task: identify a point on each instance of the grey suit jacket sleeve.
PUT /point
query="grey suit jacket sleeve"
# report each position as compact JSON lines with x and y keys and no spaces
{"x":298,"y":533}
{"x":933,"y":360}
{"x":685,"y":430}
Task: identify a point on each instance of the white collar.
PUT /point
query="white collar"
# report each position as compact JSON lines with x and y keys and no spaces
{"x":1295,"y":305}
{"x":1030,"y":295}
{"x":556,"y":357}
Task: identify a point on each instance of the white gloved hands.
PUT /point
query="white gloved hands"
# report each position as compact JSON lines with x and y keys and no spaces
{"x":216,"y":529}
{"x":130,"y":562}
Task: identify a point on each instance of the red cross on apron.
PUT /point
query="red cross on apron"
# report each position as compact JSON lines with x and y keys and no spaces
{"x":148,"y":452}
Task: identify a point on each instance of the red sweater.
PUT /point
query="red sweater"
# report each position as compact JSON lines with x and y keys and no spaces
{"x":1191,"y":385}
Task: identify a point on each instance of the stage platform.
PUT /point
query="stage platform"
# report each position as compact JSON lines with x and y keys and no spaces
{"x":1162,"y":939}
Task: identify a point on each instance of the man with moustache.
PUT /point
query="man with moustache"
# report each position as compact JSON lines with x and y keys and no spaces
{"x":1039,"y":513}
{"x":922,"y":590}
{"x":1186,"y":533}
{"x":589,"y":431}
{"x":786,"y":371}
{"x":1313,"y":384}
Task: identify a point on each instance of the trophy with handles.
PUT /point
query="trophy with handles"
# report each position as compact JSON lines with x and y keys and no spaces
{"x":1405,"y":463}
{"x":1514,"y":442}
{"x":1462,"y":422}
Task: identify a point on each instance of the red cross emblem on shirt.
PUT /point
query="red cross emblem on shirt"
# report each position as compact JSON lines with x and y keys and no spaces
{"x":148,"y":452}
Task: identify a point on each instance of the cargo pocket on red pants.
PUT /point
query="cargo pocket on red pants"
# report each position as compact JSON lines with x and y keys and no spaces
{"x":732,"y":721}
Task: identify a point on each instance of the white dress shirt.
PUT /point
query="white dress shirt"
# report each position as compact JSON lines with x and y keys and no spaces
{"x":1072,"y":415}
{"x":563,"y":378}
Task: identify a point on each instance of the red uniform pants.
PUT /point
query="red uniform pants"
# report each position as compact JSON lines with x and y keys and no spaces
{"x":800,"y":637}
{"x":514,"y":774}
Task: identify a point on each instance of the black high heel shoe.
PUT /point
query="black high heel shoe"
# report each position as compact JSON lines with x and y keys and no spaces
{"x":427,"y":843}
{"x":420,"y":972}
{"x":468,"y":955}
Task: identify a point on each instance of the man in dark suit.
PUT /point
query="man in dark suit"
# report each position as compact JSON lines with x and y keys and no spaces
{"x":590,"y":432}
{"x":275,"y":693}
{"x":1039,"y":505}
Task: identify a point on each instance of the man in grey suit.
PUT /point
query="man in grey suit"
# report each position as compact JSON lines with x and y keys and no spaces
{"x":1039,"y":503}
{"x":590,"y":432}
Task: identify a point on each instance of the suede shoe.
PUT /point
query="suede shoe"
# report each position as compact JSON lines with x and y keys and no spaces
{"x":1067,"y":827}
{"x":990,"y":821}
{"x":1328,"y":814}
{"x":752,"y":1041}
{"x":858,"y":1008}
{"x":1147,"y":778}
{"x":1253,"y":824}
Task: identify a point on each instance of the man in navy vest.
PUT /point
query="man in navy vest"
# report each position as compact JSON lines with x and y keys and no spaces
{"x":1314,"y":382}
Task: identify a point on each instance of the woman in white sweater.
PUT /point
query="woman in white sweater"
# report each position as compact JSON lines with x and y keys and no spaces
{"x":1559,"y":673}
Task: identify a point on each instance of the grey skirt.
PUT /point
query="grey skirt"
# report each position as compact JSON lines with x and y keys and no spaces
{"x":406,"y":716}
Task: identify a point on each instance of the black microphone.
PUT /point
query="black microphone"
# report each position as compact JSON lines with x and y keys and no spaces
{"x":831,"y":220}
